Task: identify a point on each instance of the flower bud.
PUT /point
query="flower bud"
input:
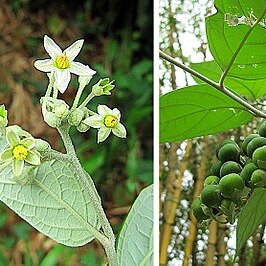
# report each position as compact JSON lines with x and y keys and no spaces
{"x":76,"y":117}
{"x":42,"y":146}
{"x":103,"y":87}
{"x":82,"y":127}
{"x":61,"y":109}
{"x":3,"y":116}
{"x":51,"y":119}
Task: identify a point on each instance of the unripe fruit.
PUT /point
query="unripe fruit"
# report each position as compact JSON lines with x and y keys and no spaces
{"x":254,"y":144}
{"x":211,"y":180}
{"x":246,"y":142}
{"x":225,"y":142}
{"x":211,"y":196}
{"x":259,"y":157}
{"x":215,"y":168}
{"x":197,"y":210}
{"x":229,"y":152}
{"x":247,"y":171}
{"x":258,"y":178}
{"x":231,"y":185}
{"x":230,"y":167}
{"x":262,"y":129}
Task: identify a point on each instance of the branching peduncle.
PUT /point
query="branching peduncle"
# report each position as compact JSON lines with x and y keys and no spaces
{"x":251,"y":109}
{"x":87,"y":182}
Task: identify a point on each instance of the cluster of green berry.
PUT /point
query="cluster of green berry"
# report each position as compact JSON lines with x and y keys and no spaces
{"x":234,"y":176}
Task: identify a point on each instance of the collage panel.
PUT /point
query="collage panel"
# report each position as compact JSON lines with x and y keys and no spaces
{"x":212,"y":155}
{"x":76,"y":138}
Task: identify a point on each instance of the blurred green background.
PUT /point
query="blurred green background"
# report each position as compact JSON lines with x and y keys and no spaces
{"x":118,"y":44}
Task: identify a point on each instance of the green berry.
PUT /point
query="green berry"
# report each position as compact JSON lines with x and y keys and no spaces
{"x":215,"y":168}
{"x":254,"y":144}
{"x":211,"y":180}
{"x":231,"y":185}
{"x":211,"y":196}
{"x":246,"y":142}
{"x":229,"y":152}
{"x":262,"y":129}
{"x":258,"y":178}
{"x":247,"y":171}
{"x":197,"y":210}
{"x":230,"y":167}
{"x":259,"y":157}
{"x":225,"y":142}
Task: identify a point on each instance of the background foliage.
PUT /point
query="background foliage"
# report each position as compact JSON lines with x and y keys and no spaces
{"x":185,"y":164}
{"x":118,"y":44}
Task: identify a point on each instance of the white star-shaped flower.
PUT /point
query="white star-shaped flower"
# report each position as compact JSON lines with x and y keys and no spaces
{"x":62,"y":63}
{"x":107,"y":121}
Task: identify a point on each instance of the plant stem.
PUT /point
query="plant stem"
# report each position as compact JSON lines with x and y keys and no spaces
{"x":76,"y":100}
{"x":86,"y":101}
{"x":251,"y":109}
{"x":87,"y":181}
{"x":225,"y":72}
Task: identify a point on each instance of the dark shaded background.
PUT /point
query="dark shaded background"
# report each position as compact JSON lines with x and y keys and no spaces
{"x":118,"y":44}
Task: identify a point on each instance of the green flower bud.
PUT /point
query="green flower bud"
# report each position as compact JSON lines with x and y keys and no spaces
{"x":75,"y":117}
{"x":82,"y":127}
{"x":3,"y":116}
{"x":51,"y":119}
{"x":42,"y":146}
{"x":61,"y":109}
{"x":103,"y":87}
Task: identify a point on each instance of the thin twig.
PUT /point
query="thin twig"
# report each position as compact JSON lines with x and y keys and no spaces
{"x":251,"y":109}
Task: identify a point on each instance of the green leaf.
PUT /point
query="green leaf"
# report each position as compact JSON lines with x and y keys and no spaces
{"x":224,"y":39}
{"x":252,"y":89}
{"x":251,"y":216}
{"x":135,"y":242}
{"x":198,"y":111}
{"x":55,"y":203}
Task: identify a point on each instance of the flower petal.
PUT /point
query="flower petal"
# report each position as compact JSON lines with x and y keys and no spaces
{"x":6,"y":155}
{"x":119,"y":131}
{"x":73,"y":50}
{"x":79,"y":69}
{"x":116,"y":113}
{"x":29,"y":143}
{"x":33,"y":158}
{"x":12,"y":138}
{"x":45,"y":65}
{"x":51,"y":47}
{"x":17,"y":166}
{"x":95,"y":121}
{"x":103,"y":133}
{"x":104,"y":110}
{"x":62,"y":79}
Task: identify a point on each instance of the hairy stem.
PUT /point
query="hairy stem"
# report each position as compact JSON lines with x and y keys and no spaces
{"x":251,"y":109}
{"x":88,"y":183}
{"x":86,"y":101}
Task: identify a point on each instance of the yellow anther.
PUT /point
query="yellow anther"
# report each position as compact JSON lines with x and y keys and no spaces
{"x":110,"y":121}
{"x":20,"y":152}
{"x":62,"y":61}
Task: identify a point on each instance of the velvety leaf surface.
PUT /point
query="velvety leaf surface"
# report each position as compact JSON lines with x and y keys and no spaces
{"x":198,"y":111}
{"x":224,"y":38}
{"x":54,"y":203}
{"x":135,"y":242}
{"x":251,"y":216}
{"x":250,"y":88}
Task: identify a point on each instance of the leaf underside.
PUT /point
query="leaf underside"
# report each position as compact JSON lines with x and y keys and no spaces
{"x":54,"y":203}
{"x":135,"y":242}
